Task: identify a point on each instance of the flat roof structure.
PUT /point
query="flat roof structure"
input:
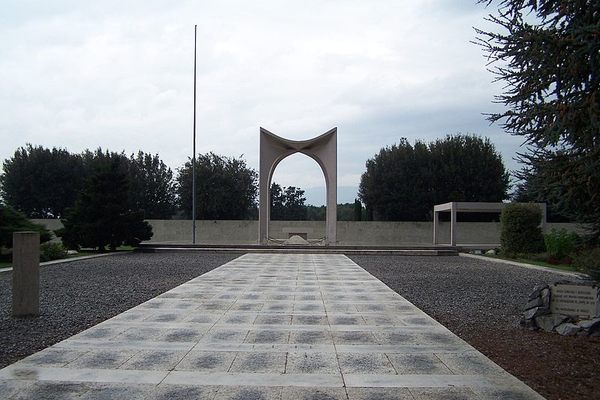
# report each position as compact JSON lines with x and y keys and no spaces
{"x":470,"y":207}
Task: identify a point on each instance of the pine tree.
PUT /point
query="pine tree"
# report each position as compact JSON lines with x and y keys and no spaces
{"x":547,"y":54}
{"x":101,"y":216}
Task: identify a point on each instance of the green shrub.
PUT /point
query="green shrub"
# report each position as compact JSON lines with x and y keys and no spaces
{"x":588,"y":261}
{"x":13,"y":221}
{"x":521,"y":232}
{"x":52,"y":251}
{"x":560,"y":244}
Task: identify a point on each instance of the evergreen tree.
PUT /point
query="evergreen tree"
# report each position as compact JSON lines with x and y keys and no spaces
{"x":547,"y":53}
{"x":101,"y":216}
{"x":40,"y":182}
{"x":357,"y":210}
{"x":13,"y":221}
{"x":287,"y":203}
{"x":225,"y":188}
{"x":404,"y":182}
{"x":151,"y":186}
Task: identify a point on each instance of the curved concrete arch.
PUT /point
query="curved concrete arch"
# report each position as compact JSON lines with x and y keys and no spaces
{"x":322,"y":149}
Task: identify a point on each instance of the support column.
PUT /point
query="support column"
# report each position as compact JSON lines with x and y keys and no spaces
{"x":453,"y":224}
{"x":26,"y":274}
{"x":436,"y":220}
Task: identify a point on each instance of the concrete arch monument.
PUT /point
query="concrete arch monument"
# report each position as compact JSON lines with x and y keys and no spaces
{"x":322,"y":149}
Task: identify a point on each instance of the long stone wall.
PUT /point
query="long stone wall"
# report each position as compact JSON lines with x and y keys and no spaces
{"x":366,"y":233}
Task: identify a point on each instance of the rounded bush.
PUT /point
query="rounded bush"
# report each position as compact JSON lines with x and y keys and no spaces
{"x":588,"y":261}
{"x":52,"y":251}
{"x":521,"y":232}
{"x":560,"y":244}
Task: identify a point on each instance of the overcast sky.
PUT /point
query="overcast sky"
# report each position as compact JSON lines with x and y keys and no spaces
{"x":118,"y":75}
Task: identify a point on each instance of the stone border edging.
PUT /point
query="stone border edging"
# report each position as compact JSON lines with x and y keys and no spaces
{"x":525,"y":265}
{"x":67,"y":260}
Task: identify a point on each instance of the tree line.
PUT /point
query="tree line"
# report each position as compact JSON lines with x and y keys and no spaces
{"x":402,"y":182}
{"x":46,"y":183}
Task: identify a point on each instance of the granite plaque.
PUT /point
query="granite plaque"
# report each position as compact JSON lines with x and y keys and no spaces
{"x":577,"y":300}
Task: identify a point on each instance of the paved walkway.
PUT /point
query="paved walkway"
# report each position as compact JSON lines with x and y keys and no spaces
{"x":267,"y":326}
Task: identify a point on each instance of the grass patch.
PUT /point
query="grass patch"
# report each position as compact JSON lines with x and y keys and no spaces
{"x":81,"y":253}
{"x":535,"y":261}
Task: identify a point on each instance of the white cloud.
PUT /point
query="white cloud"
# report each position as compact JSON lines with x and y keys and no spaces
{"x":119,"y":75}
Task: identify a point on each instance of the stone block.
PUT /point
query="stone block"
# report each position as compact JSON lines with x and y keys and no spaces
{"x":568,"y":329}
{"x":551,"y":321}
{"x":536,"y":302}
{"x":590,"y":324}
{"x":26,"y":274}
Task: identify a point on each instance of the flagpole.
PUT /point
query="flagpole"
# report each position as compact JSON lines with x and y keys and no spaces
{"x":194,"y":148}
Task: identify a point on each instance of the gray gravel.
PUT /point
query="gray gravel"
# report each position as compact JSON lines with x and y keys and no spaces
{"x":462,"y":293}
{"x":80,"y":294}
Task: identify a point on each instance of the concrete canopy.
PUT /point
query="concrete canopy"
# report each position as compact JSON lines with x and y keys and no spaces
{"x":322,"y":149}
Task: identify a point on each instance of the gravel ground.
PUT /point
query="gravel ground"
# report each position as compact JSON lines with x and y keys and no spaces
{"x":479,"y":301}
{"x":77,"y":295}
{"x":482,"y":302}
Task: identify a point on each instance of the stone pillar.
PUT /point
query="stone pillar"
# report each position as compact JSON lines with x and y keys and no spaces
{"x":436,"y":221}
{"x":26,"y":274}
{"x":453,"y":224}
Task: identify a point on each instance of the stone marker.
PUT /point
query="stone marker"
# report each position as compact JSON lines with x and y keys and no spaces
{"x":567,"y":307}
{"x":26,"y":274}
{"x":579,"y":301}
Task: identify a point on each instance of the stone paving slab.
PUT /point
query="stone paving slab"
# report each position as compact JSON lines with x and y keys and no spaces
{"x":267,"y":326}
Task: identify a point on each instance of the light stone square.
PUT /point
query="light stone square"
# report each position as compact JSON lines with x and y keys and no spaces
{"x":237,"y":318}
{"x":277,"y":307}
{"x":182,"y":334}
{"x":312,"y":363}
{"x":379,"y":394}
{"x":440,"y":337}
{"x":267,"y":336}
{"x":120,"y":391}
{"x":166,"y":317}
{"x":257,"y":362}
{"x":397,"y":338}
{"x":346,"y":320}
{"x":444,"y":394}
{"x":273,"y":319}
{"x":419,"y":364}
{"x":53,"y":357}
{"x":141,"y":334}
{"x":365,"y":363}
{"x":48,"y":390}
{"x":470,"y":362}
{"x":207,"y":361}
{"x":202,"y":318}
{"x":311,"y":337}
{"x":225,"y":335}
{"x":310,"y":320}
{"x":104,"y":359}
{"x":312,"y":308}
{"x":159,"y":360}
{"x":183,"y":392}
{"x":321,"y":393}
{"x":247,"y":306}
{"x":354,"y":337}
{"x":248,"y":393}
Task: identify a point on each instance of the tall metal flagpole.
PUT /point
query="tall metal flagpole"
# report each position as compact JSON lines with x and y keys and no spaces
{"x":194,"y":148}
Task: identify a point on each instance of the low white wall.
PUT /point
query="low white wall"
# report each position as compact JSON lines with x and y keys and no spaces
{"x":366,"y":233}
